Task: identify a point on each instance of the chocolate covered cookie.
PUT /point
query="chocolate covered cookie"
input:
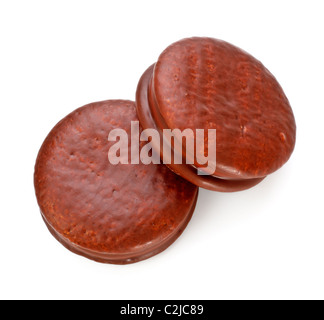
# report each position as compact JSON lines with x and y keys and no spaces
{"x":205,"y":83}
{"x":113,"y":213}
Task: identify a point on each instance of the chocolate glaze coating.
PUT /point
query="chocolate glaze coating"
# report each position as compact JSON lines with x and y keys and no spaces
{"x":207,"y":83}
{"x":145,"y":113}
{"x":109,"y":213}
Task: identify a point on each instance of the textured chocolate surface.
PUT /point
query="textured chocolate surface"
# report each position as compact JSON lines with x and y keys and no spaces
{"x":210,"y":84}
{"x":145,"y":114}
{"x":110,"y":213}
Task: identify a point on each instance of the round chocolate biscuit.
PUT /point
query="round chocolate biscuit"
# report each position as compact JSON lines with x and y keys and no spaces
{"x":205,"y":83}
{"x":112,"y":213}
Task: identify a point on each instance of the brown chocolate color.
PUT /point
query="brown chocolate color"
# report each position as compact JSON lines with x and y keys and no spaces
{"x":109,"y":213}
{"x":189,"y":172}
{"x":205,"y":83}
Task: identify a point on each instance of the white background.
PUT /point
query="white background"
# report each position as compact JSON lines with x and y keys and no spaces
{"x":264,"y":243}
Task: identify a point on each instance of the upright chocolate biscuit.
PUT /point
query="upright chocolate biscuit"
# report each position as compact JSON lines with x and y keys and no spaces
{"x":109,"y":213}
{"x":205,"y":83}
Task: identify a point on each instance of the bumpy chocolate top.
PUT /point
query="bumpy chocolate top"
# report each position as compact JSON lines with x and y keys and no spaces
{"x":120,"y":212}
{"x":210,"y":84}
{"x":147,"y":115}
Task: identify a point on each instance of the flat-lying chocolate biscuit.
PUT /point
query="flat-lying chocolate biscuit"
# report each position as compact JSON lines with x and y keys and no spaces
{"x":119,"y":213}
{"x":205,"y":83}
